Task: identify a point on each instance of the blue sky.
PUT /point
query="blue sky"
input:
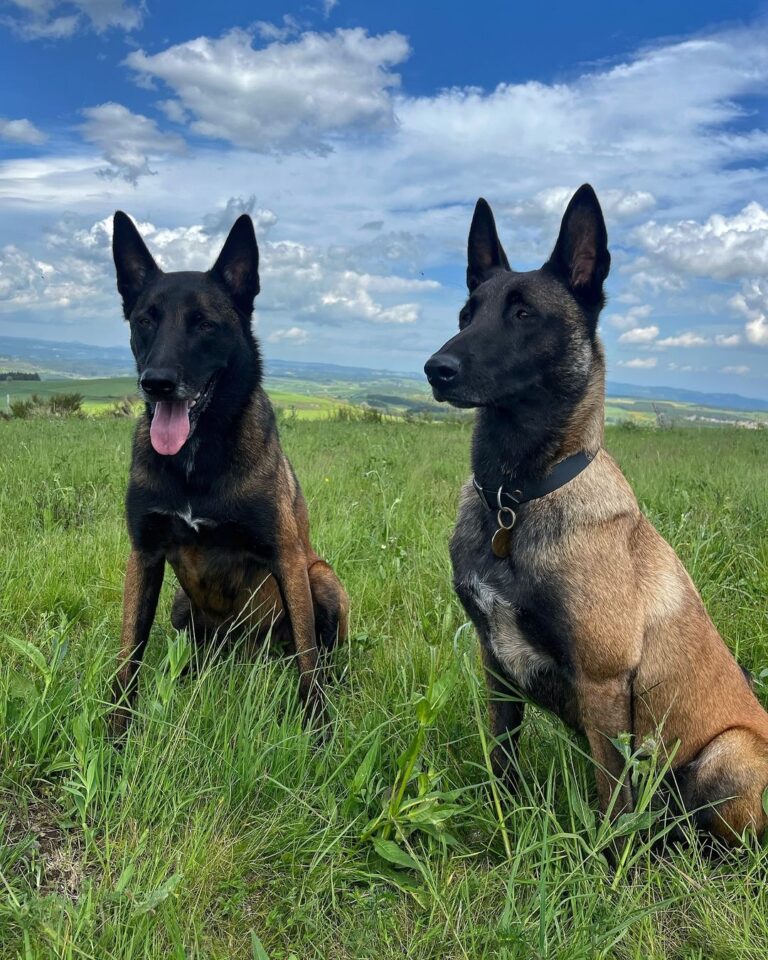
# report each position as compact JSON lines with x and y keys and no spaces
{"x":360,"y":135}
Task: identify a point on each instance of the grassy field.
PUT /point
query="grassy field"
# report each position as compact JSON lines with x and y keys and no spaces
{"x":392,"y":394}
{"x":222,"y":830}
{"x":100,"y":395}
{"x":301,"y":399}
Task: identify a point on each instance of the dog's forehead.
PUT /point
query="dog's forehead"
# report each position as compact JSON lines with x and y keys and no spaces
{"x":188,"y":290}
{"x":539,"y":288}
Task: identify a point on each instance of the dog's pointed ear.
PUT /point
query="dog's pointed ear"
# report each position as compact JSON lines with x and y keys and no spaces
{"x":484,"y":250}
{"x":581,"y":254}
{"x":133,"y":262}
{"x":238,"y":264}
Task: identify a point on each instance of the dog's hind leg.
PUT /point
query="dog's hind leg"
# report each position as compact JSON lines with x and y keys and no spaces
{"x":723,"y":787}
{"x":201,"y":632}
{"x":330,"y":603}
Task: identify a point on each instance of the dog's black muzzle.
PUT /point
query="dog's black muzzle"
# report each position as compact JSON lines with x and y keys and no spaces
{"x":159,"y":383}
{"x":442,"y":370}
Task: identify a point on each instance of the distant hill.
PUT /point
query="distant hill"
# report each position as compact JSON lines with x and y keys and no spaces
{"x":69,"y":359}
{"x":727,"y":401}
{"x":56,"y":360}
{"x":321,"y":372}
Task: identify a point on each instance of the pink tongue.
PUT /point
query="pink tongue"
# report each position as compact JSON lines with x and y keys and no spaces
{"x":170,"y":426}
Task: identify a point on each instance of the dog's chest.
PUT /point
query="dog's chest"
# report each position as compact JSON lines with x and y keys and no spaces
{"x":191,"y":520}
{"x":501,"y":624}
{"x":513,"y":602}
{"x":207,"y":523}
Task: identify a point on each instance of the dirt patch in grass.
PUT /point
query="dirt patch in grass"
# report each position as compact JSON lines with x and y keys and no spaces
{"x":50,"y":855}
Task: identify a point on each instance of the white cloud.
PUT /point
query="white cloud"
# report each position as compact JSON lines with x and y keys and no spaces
{"x":273,"y":31}
{"x":740,"y":370}
{"x":640,"y":335}
{"x":128,"y":140}
{"x":657,"y":279}
{"x":174,"y":111}
{"x":604,"y":126}
{"x":752,"y":302}
{"x":20,"y":275}
{"x":728,"y":339}
{"x":639,"y":363}
{"x":21,"y":131}
{"x":297,"y":280}
{"x":757,"y":331}
{"x":724,"y":248}
{"x":658,"y":135}
{"x":221,"y":221}
{"x":630,"y":319}
{"x":192,"y":247}
{"x":616,"y":204}
{"x":29,"y":283}
{"x":283,"y":97}
{"x":291,"y":334}
{"x":686,"y":339}
{"x":351,"y":294}
{"x":53,"y":20}
{"x":111,"y":13}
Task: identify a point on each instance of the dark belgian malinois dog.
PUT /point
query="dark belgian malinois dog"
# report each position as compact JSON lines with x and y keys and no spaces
{"x":210,"y":489}
{"x":579,"y":603}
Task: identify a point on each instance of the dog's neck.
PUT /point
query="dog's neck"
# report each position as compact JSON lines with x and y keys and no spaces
{"x":523,"y":443}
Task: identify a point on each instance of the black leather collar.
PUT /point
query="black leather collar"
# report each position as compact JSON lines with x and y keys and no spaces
{"x":560,"y":474}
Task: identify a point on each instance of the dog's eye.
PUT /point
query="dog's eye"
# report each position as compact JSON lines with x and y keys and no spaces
{"x":465,"y":318}
{"x":202,"y":322}
{"x":521,"y":313}
{"x":148,"y":318}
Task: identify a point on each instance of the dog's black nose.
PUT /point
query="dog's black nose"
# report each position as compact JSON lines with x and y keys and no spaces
{"x":159,"y":382}
{"x":441,"y":369}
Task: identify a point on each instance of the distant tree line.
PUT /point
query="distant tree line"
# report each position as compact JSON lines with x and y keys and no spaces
{"x":18,"y":375}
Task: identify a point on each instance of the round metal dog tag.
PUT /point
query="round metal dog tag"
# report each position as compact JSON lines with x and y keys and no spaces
{"x":502,"y":539}
{"x":501,"y":542}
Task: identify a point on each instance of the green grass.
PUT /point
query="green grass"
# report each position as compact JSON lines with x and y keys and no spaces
{"x":222,"y":830}
{"x":100,"y":395}
{"x":307,"y":399}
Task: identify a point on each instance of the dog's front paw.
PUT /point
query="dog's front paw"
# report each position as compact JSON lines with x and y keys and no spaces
{"x":118,"y":723}
{"x":504,"y":769}
{"x":316,"y":716}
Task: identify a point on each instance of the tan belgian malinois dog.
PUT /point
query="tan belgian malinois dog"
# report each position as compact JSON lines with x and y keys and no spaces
{"x":211,"y":491}
{"x":579,"y":603}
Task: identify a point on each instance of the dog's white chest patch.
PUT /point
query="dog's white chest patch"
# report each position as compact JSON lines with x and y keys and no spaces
{"x":194,"y":522}
{"x":191,"y":521}
{"x":515,"y":653}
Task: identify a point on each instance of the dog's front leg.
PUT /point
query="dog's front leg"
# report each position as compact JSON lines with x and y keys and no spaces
{"x":143,"y":580}
{"x":297,"y":600}
{"x":606,"y":712}
{"x":506,"y":715}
